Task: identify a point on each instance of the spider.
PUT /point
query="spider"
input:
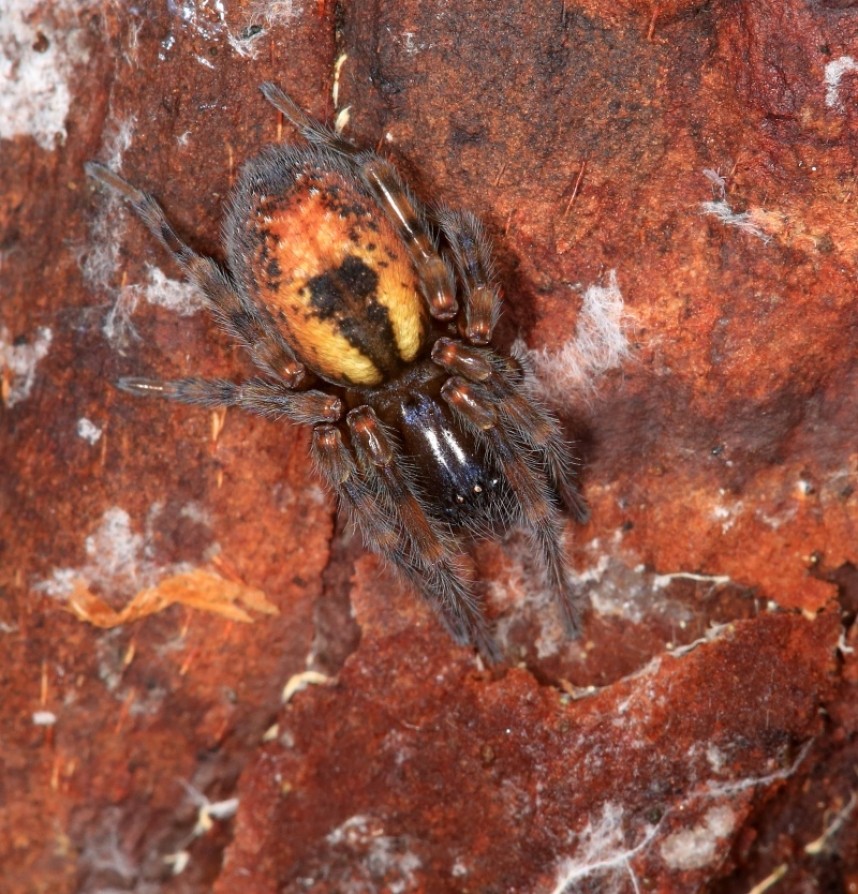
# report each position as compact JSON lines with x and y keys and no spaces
{"x":370,"y":317}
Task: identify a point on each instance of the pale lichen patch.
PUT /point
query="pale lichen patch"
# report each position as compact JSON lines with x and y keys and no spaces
{"x":18,"y":362}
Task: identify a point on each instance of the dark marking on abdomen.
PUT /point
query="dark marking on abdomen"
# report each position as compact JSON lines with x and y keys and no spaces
{"x":348,"y":295}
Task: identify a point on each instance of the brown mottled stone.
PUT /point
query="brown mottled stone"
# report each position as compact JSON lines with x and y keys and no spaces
{"x":696,"y":159}
{"x":484,"y":782}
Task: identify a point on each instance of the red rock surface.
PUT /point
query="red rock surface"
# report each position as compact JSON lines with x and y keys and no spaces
{"x":671,"y":188}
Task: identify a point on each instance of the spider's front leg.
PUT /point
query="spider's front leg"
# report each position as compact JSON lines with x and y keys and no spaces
{"x":381,"y":500}
{"x":236,"y":313}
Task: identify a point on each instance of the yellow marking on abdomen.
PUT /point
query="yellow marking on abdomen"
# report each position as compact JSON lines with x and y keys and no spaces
{"x":336,"y":277}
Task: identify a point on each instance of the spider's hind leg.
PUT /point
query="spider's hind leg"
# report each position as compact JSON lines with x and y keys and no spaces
{"x":525,"y":413}
{"x":236,"y":313}
{"x":393,"y":196}
{"x":259,"y":396}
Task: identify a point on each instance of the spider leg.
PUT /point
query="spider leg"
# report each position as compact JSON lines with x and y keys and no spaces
{"x":261,"y":396}
{"x":520,"y":411}
{"x":522,"y":468}
{"x":370,"y":506}
{"x":473,"y":257}
{"x":527,"y":415}
{"x":239,"y":316}
{"x":394,"y":197}
{"x":312,"y":130}
{"x":406,"y":214}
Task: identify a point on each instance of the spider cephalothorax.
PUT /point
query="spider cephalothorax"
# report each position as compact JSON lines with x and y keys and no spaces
{"x":369,"y":317}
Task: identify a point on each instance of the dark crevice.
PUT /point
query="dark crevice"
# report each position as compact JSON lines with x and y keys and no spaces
{"x":845,"y":578}
{"x":337,"y":633}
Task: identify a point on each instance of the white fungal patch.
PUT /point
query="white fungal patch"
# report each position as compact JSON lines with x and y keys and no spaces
{"x":727,"y":515}
{"x":374,"y":858}
{"x":207,"y":19}
{"x":88,"y":430}
{"x":604,"y":852}
{"x":411,"y":44}
{"x":37,"y":66}
{"x":104,"y":852}
{"x":118,"y":559}
{"x":115,"y":556}
{"x":599,"y":344}
{"x":607,"y":583}
{"x":742,"y":220}
{"x":718,"y":181}
{"x":279,"y":10}
{"x":716,"y":758}
{"x":834,"y":72}
{"x":100,"y":264}
{"x":99,"y":259}
{"x":660,"y":581}
{"x":18,"y":363}
{"x":623,"y":592}
{"x":700,"y":845}
{"x":459,"y":869}
{"x":775,"y":520}
{"x":172,"y":294}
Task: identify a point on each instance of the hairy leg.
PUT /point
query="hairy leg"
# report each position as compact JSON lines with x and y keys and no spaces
{"x":239,"y":316}
{"x":519,"y":410}
{"x":472,"y":254}
{"x":522,"y":469}
{"x":381,"y":494}
{"x":260,"y":396}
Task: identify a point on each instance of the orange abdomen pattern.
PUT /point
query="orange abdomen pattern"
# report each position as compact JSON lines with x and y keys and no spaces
{"x":336,"y":278}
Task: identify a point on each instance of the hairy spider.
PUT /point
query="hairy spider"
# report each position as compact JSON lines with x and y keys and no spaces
{"x":346,"y":293}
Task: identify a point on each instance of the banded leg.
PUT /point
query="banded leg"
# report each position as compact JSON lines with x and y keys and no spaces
{"x":242,"y":319}
{"x":431,"y":549}
{"x":472,"y":254}
{"x":375,"y":521}
{"x":521,"y":413}
{"x":382,"y":527}
{"x":394,"y":197}
{"x":473,"y":404}
{"x":537,"y":426}
{"x":265,"y":398}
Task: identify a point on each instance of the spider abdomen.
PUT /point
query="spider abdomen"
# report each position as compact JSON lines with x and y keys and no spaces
{"x":314,"y":250}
